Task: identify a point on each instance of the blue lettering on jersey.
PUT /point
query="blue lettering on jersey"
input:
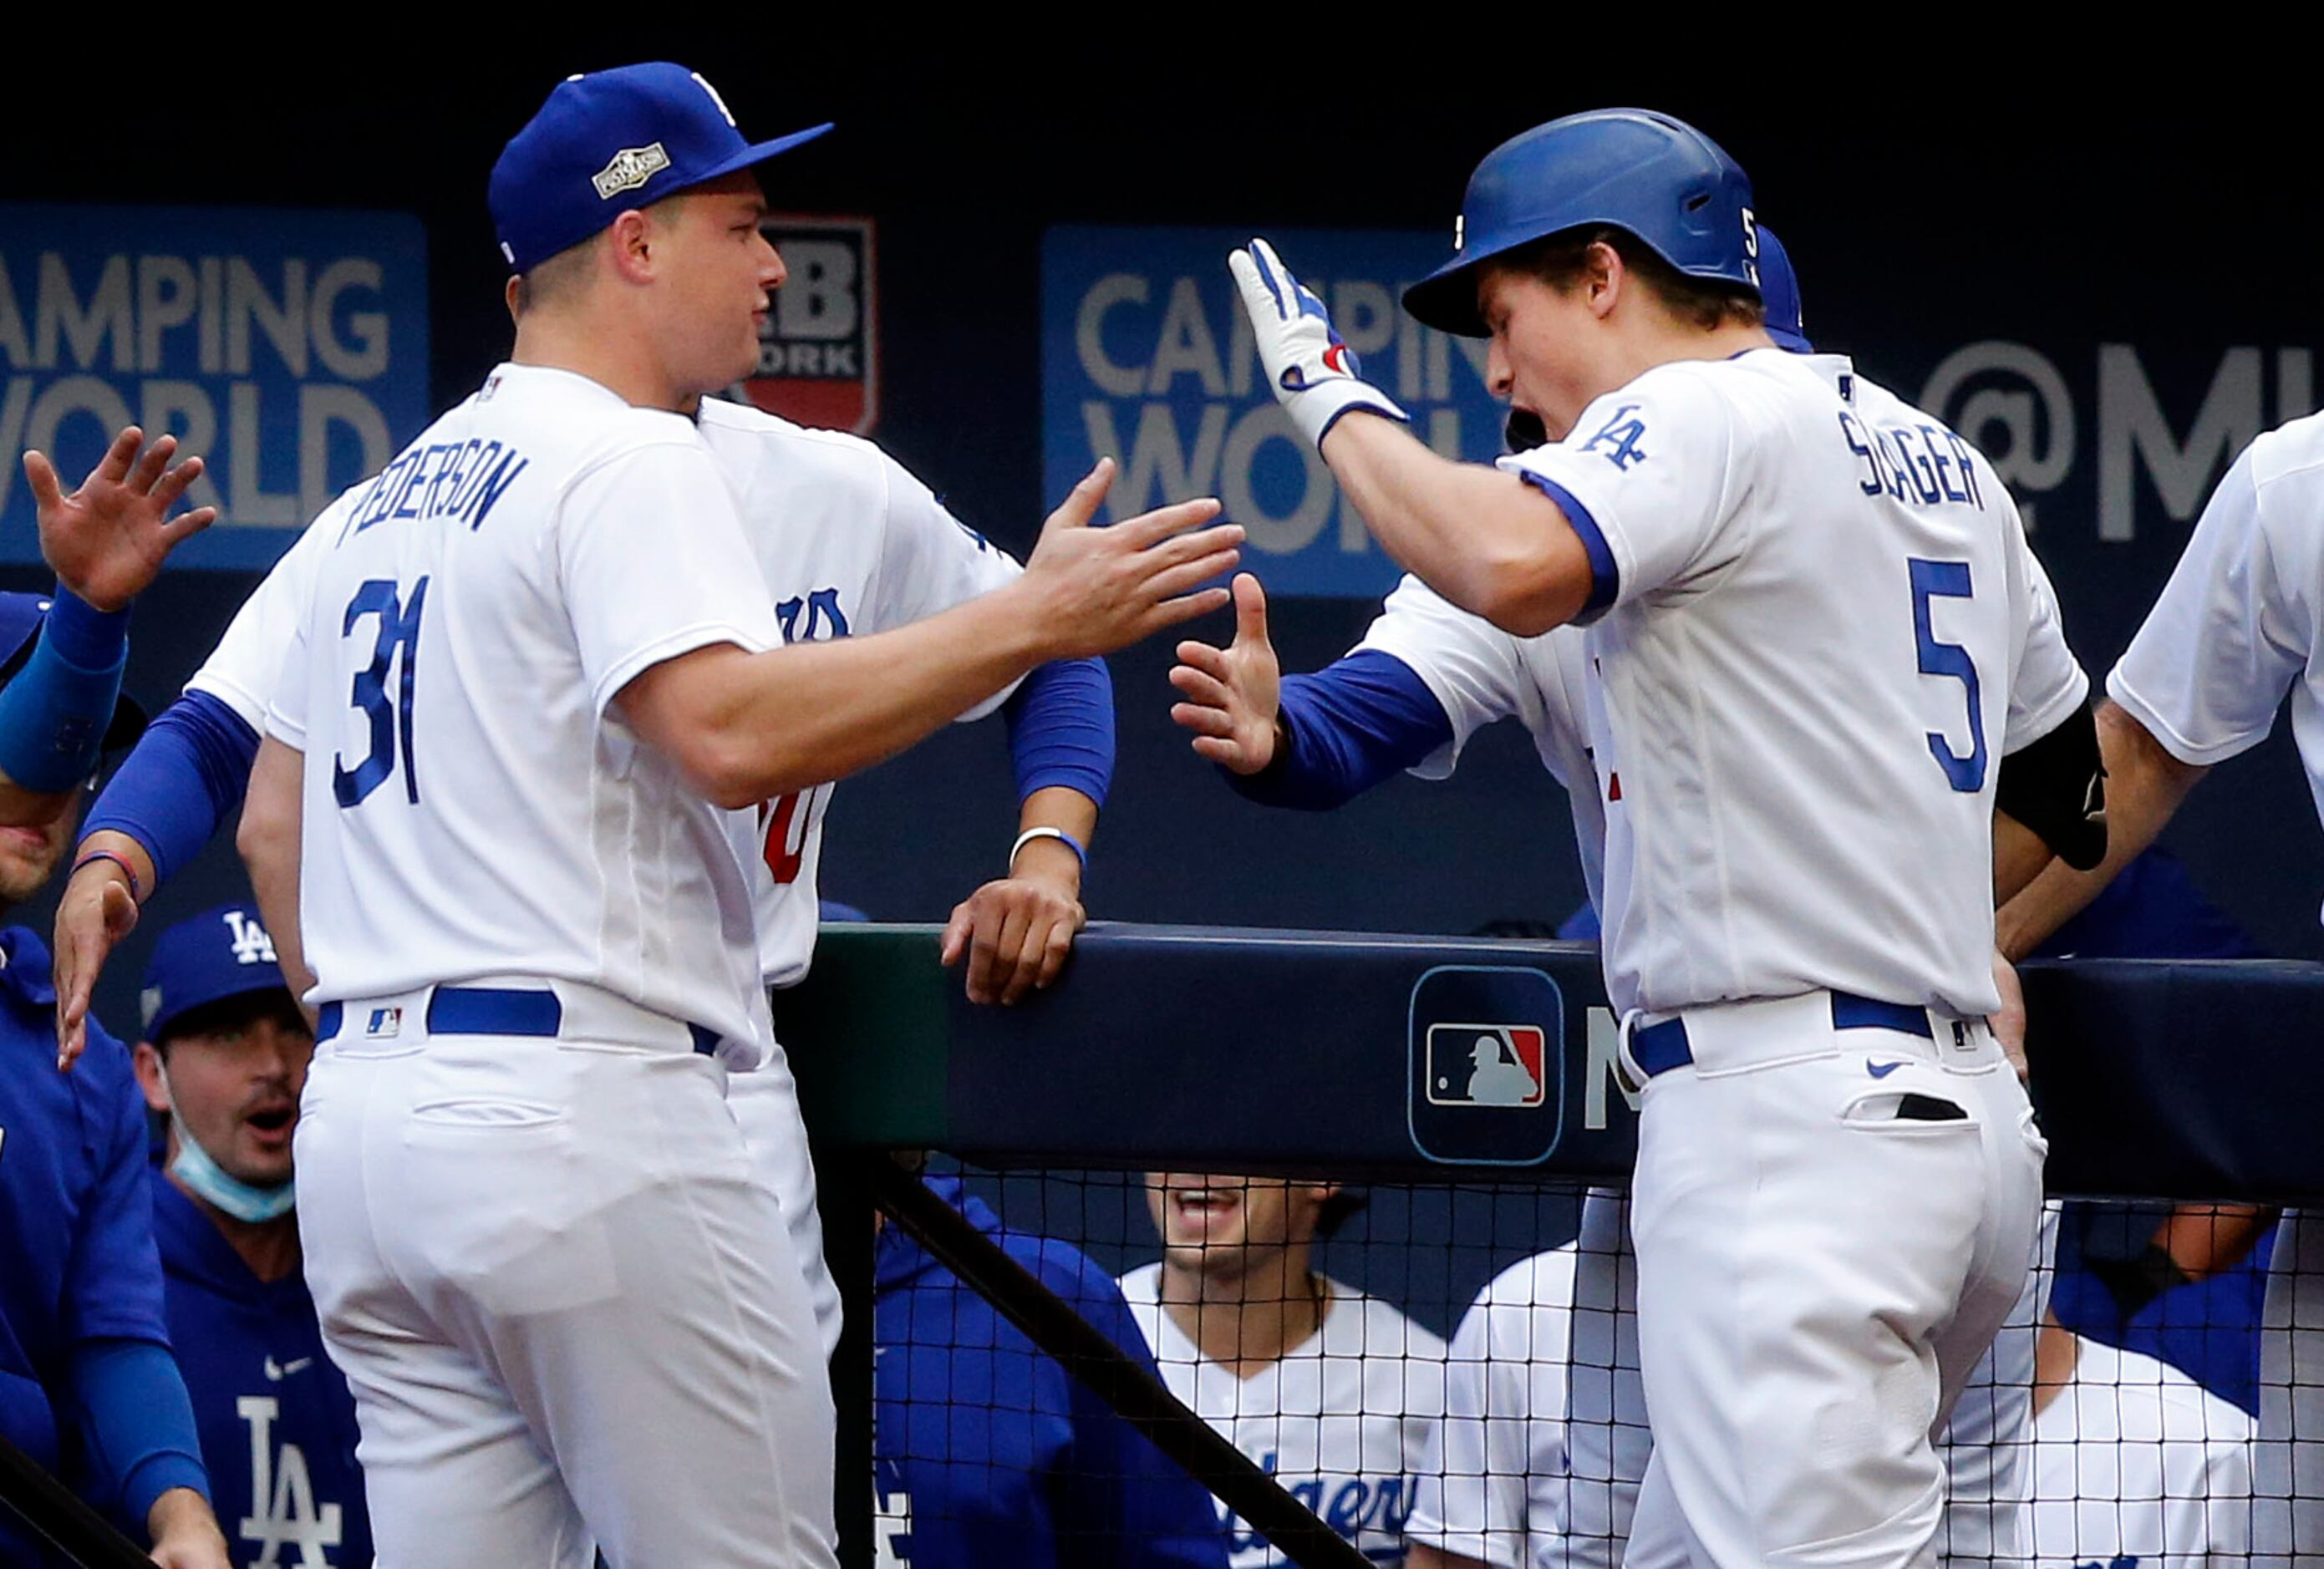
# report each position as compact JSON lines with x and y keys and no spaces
{"x":1623,"y":431}
{"x":1350,"y":1506}
{"x":450,"y":478}
{"x":823,"y":617}
{"x":1921,"y":465}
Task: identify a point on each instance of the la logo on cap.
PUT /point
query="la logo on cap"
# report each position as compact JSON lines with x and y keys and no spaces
{"x":631,"y":168}
{"x":252,"y":945}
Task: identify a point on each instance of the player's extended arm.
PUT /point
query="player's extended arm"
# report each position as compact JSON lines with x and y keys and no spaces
{"x":105,"y":542}
{"x":177,"y":787}
{"x":748,"y":726}
{"x":269,"y":842}
{"x":1486,"y":540}
{"x":2145,"y":785}
{"x":1312,"y":742}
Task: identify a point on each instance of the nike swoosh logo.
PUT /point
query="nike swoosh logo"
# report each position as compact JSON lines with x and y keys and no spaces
{"x":1883,"y":1069}
{"x":277,"y":1371}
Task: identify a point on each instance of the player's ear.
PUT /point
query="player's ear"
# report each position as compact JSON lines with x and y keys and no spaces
{"x":150,"y":1078}
{"x":631,"y":240}
{"x":1604,"y":278}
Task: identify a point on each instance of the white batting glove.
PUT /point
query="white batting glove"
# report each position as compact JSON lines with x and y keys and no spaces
{"x":1315,"y":374}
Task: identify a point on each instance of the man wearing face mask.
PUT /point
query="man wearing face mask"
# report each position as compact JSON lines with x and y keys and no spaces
{"x":223,"y":1060}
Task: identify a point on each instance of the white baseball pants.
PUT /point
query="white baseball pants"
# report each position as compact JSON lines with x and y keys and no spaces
{"x":566,"y":1305}
{"x":1818,"y":1273}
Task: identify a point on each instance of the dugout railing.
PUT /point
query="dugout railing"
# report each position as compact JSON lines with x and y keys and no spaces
{"x":1340,"y":1055}
{"x":1309,"y":1054}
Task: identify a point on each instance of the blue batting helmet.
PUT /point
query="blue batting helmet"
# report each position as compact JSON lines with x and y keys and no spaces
{"x":1647,"y":174}
{"x":1779,"y":293}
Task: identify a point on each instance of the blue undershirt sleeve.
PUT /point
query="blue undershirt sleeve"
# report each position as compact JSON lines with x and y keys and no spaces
{"x":1348,"y":726}
{"x":186,"y":776}
{"x":54,"y":711}
{"x":136,"y":1420}
{"x":1060,"y":723}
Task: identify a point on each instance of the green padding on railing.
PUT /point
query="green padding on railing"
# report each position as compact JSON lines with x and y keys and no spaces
{"x":866,"y":1035}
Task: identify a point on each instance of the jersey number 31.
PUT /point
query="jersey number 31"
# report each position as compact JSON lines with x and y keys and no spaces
{"x":395,"y":650}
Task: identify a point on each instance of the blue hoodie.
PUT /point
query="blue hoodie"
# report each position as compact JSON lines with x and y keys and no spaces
{"x":989,"y":1452}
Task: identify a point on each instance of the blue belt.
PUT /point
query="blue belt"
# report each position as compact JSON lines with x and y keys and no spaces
{"x":1659,"y":1048}
{"x":493,"y":1011}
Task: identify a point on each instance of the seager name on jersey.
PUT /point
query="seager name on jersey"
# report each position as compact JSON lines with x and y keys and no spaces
{"x":451,"y":479}
{"x":1918,"y":464}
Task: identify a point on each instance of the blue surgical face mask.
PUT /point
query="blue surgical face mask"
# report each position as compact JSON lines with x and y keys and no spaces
{"x":195,"y":1168}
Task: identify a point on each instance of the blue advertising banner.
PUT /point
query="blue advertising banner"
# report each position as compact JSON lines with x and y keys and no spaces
{"x":1146,"y":357}
{"x":289,"y":348}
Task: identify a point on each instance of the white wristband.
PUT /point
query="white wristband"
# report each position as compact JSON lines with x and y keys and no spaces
{"x":1044,"y":831}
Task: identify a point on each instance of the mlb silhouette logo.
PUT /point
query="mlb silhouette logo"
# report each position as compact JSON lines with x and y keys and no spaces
{"x":1485,"y":1065}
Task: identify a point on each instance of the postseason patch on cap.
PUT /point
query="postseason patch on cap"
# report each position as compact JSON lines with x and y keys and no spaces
{"x":631,"y":167}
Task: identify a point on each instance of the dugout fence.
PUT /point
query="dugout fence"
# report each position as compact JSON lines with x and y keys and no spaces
{"x":1353,"y":1060}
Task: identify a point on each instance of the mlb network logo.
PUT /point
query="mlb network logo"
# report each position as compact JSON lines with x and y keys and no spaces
{"x":1486,"y":1065}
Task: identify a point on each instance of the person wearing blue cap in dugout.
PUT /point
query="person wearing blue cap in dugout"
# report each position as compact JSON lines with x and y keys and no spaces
{"x":223,"y":1058}
{"x":106,"y":540}
{"x":87,"y":1387}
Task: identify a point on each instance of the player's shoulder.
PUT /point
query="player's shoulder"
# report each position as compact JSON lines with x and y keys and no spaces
{"x":1543,"y":1280}
{"x":2290,"y":456}
{"x":563,"y":420}
{"x":1366,"y":1326}
{"x":748,"y":439}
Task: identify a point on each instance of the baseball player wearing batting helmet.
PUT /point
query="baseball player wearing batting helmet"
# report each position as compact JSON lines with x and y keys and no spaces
{"x":1799,"y":870}
{"x":533,"y":946}
{"x":1424,"y":679}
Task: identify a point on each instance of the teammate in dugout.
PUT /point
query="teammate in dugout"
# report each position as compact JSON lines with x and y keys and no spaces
{"x":849,"y":545}
{"x":1509,"y":1482}
{"x":88,"y":1387}
{"x":1799,"y":871}
{"x":533,"y":975}
{"x":223,"y":1059}
{"x":1331,"y":1391}
{"x":106,"y":540}
{"x":2234,"y":631}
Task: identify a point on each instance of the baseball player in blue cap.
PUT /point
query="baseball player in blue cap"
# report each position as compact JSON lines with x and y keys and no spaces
{"x":223,"y":1059}
{"x":1838,"y":1177}
{"x":87,"y":1384}
{"x":105,"y":541}
{"x":508,"y":860}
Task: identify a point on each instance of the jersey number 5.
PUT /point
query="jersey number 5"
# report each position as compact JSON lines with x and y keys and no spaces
{"x":1948,"y":580}
{"x":390,"y":721}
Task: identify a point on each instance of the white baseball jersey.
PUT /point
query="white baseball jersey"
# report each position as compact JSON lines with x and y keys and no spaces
{"x":2135,"y":1463}
{"x":2238,"y":623}
{"x":1340,"y":1422}
{"x":473,"y":805}
{"x":849,"y":542}
{"x":1479,"y":674}
{"x":1544,"y":1437}
{"x":1823,"y":613}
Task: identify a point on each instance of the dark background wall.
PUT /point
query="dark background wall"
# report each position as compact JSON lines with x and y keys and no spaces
{"x":1927,"y":207}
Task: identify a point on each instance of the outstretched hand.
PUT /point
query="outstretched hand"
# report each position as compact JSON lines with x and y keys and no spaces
{"x":1015,"y":932}
{"x":1104,"y":589}
{"x":95,"y":913}
{"x":1231,"y":695}
{"x":107,"y":540}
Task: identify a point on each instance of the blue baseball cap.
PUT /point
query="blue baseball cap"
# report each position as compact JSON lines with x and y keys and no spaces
{"x":1779,"y":295}
{"x":217,"y":954}
{"x":606,"y":142}
{"x":21,"y":615}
